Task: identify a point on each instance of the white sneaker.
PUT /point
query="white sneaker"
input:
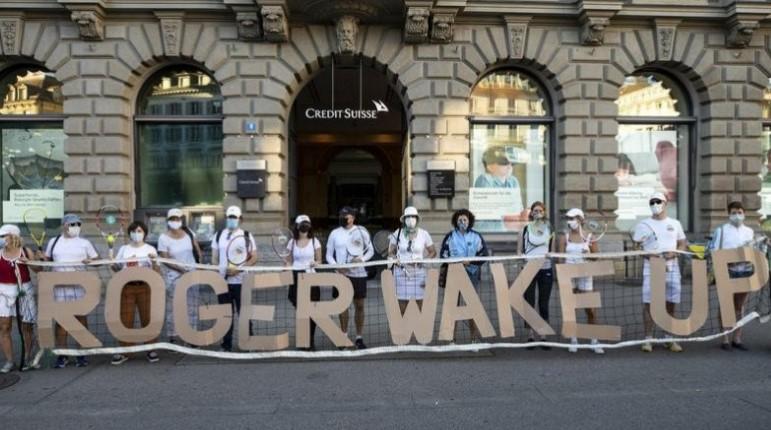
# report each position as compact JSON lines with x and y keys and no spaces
{"x":7,"y":367}
{"x":573,"y":343}
{"x":597,"y":349}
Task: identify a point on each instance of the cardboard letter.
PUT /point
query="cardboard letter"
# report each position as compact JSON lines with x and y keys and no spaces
{"x":222,"y":314}
{"x":571,"y":301}
{"x":459,"y":284}
{"x":51,"y":312}
{"x":513,"y":297}
{"x":263,"y":281}
{"x":415,"y":320}
{"x":659,"y":314}
{"x":157,"y":305}
{"x":321,"y":312}
{"x":726,"y":287}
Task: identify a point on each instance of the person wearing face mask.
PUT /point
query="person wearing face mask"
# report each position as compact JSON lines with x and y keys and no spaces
{"x":463,"y":241}
{"x":304,"y":254}
{"x":179,"y":243}
{"x":663,"y":235}
{"x":535,"y":239}
{"x":135,"y":296}
{"x":337,"y":253}
{"x":731,"y":235}
{"x":69,"y":247}
{"x":408,"y":244}
{"x":576,"y":243}
{"x":233,"y":276}
{"x":16,"y":285}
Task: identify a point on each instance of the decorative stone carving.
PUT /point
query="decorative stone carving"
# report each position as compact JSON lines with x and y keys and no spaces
{"x":248,"y":24}
{"x":416,"y":25}
{"x":593,"y":30}
{"x":666,"y":31}
{"x":442,"y":27}
{"x":10,"y":36}
{"x":171,"y":29}
{"x":89,"y":23}
{"x":740,"y":33}
{"x":274,"y":24}
{"x":347,"y":30}
{"x":517,"y":32}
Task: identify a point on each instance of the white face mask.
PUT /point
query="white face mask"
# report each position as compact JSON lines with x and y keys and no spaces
{"x":573,"y":224}
{"x":73,"y":230}
{"x":410,"y":222}
{"x":657,"y":209}
{"x":137,"y":236}
{"x":736,"y":218}
{"x":175,"y":225}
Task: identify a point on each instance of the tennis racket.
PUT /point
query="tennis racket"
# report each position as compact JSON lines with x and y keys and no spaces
{"x":358,"y":244}
{"x":647,"y":238}
{"x":35,"y":223}
{"x":111,"y":222}
{"x":237,"y":251}
{"x":280,"y":241}
{"x":381,"y":241}
{"x":593,"y":230}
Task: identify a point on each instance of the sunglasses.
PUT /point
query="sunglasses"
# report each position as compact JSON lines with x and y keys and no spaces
{"x":570,"y":218}
{"x":409,"y":246}
{"x":75,"y":224}
{"x":656,"y":202}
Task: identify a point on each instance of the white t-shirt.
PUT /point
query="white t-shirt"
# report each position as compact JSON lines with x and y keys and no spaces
{"x":178,"y":249}
{"x":411,"y":249}
{"x":222,"y":248}
{"x":658,"y":235}
{"x":303,"y":256}
{"x":337,"y":249}
{"x":70,"y":249}
{"x":728,"y":236}
{"x":131,"y":251}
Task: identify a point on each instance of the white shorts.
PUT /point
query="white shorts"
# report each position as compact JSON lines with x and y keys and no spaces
{"x":412,"y":286}
{"x":8,"y":294}
{"x":583,"y":284}
{"x":672,"y":281}
{"x":68,"y":293}
{"x":27,"y":302}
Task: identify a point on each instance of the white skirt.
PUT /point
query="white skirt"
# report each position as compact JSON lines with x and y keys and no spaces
{"x":410,"y":285}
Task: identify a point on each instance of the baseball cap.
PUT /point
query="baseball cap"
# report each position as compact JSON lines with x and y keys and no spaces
{"x":233,"y":211}
{"x":70,"y":219}
{"x":174,"y":212}
{"x":575,"y":212}
{"x":10,"y":229}
{"x":302,"y":218}
{"x":659,"y":196}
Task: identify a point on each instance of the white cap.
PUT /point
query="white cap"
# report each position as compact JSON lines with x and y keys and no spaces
{"x":10,"y":229}
{"x":174,"y":212}
{"x":409,"y":211}
{"x":233,"y":211}
{"x":301,"y":218}
{"x":658,"y":195}
{"x":575,"y":212}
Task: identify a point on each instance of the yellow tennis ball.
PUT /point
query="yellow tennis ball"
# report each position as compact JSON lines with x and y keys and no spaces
{"x":110,"y":240}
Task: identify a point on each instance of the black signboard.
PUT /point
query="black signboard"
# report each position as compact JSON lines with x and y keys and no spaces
{"x":441,"y":183}
{"x":250,"y":184}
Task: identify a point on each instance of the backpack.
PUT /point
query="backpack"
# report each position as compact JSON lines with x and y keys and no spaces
{"x":189,"y":233}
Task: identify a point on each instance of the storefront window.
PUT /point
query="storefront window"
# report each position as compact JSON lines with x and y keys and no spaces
{"x":179,"y":133}
{"x":654,"y":135}
{"x":32,"y":145}
{"x":765,"y":171}
{"x":510,"y":131}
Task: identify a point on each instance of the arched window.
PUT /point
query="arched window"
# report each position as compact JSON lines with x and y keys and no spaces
{"x":654,"y":135}
{"x":511,"y":126}
{"x":32,"y":145}
{"x":765,"y":171}
{"x":179,"y":140}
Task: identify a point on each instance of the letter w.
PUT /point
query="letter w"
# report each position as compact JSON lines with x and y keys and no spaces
{"x":415,"y":320}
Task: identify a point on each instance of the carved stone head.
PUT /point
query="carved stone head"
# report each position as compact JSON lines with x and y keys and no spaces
{"x":416,"y":26}
{"x":442,"y":29}
{"x":347,"y":30}
{"x":274,"y":23}
{"x":89,"y":24}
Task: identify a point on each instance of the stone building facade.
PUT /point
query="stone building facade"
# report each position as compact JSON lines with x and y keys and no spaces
{"x":433,"y":54}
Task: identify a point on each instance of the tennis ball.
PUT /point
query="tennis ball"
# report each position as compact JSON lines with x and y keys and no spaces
{"x":110,"y":240}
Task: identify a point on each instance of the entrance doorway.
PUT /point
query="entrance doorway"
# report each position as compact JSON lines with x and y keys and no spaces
{"x":347,"y":132}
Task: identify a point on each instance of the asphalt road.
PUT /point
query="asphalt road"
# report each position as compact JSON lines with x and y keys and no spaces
{"x":704,"y":387}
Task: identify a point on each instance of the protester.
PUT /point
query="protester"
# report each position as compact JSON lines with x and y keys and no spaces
{"x":179,"y":243}
{"x":408,"y":245}
{"x":731,"y":235}
{"x":535,"y":239}
{"x":233,"y":276}
{"x":304,"y":254}
{"x":463,"y":242}
{"x":16,"y":284}
{"x":337,"y":253}
{"x":575,"y":242}
{"x":135,"y":296}
{"x":664,"y":235}
{"x":69,"y":247}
